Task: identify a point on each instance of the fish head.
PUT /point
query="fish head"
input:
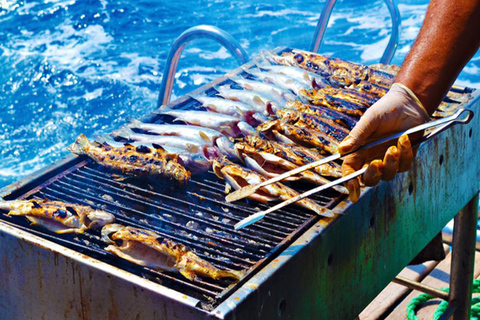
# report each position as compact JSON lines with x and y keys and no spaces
{"x":109,"y":229}
{"x":98,"y":218}
{"x":247,"y":129}
{"x":217,"y":168}
{"x":226,"y":147}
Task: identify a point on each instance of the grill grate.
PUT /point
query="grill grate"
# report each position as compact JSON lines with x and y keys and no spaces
{"x":196,"y":216}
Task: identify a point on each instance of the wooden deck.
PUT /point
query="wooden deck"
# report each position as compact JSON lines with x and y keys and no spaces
{"x":392,"y":302}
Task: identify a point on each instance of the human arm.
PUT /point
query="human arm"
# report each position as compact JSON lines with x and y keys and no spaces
{"x":449,"y":37}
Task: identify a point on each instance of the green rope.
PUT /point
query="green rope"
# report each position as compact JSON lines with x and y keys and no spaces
{"x":424,"y":297}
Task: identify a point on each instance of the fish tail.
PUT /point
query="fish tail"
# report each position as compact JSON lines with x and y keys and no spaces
{"x":235,"y":274}
{"x":123,"y":132}
{"x":4,"y":205}
{"x":135,"y":123}
{"x":196,"y":97}
{"x":78,"y":147}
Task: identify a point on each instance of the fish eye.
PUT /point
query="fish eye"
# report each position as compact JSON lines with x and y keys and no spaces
{"x":298,"y":57}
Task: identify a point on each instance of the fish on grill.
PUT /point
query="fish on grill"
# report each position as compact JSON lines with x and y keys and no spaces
{"x":342,"y":119}
{"x":349,"y":95}
{"x":194,"y":162}
{"x":280,"y":80}
{"x":295,"y":154}
{"x":339,"y":70}
{"x":149,"y":249}
{"x":308,"y":79}
{"x":278,"y":95}
{"x":261,"y":102}
{"x":57,"y":216}
{"x":238,"y":177}
{"x":133,"y":161}
{"x":270,"y":165}
{"x":225,"y":124}
{"x":336,"y":103}
{"x":305,"y":129}
{"x":236,"y":109}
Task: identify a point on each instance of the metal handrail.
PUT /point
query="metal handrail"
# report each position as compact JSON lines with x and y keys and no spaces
{"x":197,"y":32}
{"x":392,"y":43}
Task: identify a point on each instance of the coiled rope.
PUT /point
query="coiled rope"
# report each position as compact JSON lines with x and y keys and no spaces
{"x":424,"y":297}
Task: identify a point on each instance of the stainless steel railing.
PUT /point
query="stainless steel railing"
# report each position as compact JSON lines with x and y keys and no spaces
{"x":392,"y":43}
{"x":197,"y":32}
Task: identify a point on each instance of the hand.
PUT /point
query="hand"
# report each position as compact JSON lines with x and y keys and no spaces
{"x":398,"y":110}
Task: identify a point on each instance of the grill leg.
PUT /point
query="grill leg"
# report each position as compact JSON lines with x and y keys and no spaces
{"x":463,"y":253}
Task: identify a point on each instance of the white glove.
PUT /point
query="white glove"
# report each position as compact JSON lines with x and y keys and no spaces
{"x":398,"y":110}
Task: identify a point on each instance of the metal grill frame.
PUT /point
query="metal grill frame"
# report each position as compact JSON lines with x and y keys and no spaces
{"x":329,"y":267}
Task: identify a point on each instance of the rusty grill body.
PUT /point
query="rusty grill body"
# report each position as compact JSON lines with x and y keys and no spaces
{"x":299,"y":266}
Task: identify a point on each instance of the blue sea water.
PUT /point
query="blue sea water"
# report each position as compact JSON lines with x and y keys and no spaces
{"x":71,"y":67}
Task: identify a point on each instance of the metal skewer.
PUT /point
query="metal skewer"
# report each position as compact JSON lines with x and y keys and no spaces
{"x":443,"y":125}
{"x":250,"y":189}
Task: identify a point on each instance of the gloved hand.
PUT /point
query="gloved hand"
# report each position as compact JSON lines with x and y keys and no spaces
{"x":398,"y":110}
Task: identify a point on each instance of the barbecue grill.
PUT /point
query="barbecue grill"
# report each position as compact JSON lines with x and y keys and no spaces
{"x":299,"y":266}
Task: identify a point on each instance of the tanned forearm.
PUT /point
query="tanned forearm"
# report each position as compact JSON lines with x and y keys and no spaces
{"x":449,"y":37}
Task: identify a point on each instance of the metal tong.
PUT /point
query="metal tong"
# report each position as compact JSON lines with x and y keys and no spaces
{"x":442,"y":125}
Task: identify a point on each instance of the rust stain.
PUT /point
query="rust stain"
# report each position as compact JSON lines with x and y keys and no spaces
{"x":237,"y":298}
{"x":254,"y":286}
{"x":184,"y":297}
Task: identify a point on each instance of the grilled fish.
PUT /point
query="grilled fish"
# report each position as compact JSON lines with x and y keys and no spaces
{"x":148,"y":249}
{"x":57,"y":216}
{"x":344,"y":120}
{"x":305,"y":129}
{"x":337,"y":71}
{"x":228,"y":125}
{"x":309,"y":79}
{"x":278,"y":95}
{"x":350,"y":95}
{"x":194,"y":162}
{"x":295,"y":154}
{"x":280,"y":80}
{"x":232,"y":108}
{"x":270,"y":165}
{"x":178,"y":130}
{"x":135,"y":161}
{"x":262,"y":103}
{"x":313,"y":121}
{"x":336,"y":103}
{"x":238,"y":177}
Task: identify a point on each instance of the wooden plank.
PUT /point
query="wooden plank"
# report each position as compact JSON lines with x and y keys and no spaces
{"x":438,"y":278}
{"x":394,"y":293}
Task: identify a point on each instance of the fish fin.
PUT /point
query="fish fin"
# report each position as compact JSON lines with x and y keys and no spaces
{"x":196,"y":97}
{"x":237,"y":275}
{"x":14,"y":213}
{"x":78,"y":147}
{"x":204,"y":136}
{"x":228,"y":187}
{"x":248,"y":87}
{"x":108,"y":140}
{"x":119,"y":178}
{"x":306,"y":76}
{"x":192,"y":148}
{"x":36,"y":205}
{"x":258,"y":100}
{"x":123,"y":132}
{"x":240,"y":112}
{"x":189,"y":275}
{"x":135,"y":123}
